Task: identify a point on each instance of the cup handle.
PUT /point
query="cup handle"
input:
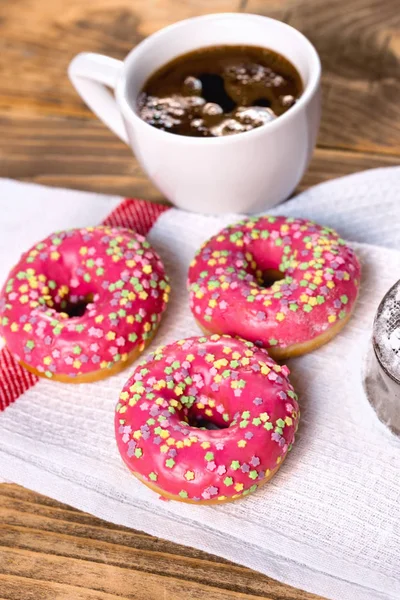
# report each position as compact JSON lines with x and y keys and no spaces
{"x":91,"y":74}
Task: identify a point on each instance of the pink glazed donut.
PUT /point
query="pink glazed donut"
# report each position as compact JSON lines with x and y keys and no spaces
{"x":228,"y":383}
{"x":82,"y":304}
{"x":286,"y":284}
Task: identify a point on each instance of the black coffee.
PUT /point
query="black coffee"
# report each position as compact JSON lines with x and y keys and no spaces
{"x":220,"y":90}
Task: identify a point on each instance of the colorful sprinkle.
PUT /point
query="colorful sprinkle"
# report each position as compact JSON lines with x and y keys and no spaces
{"x":83,"y":300}
{"x":199,"y":442}
{"x":315,"y":280}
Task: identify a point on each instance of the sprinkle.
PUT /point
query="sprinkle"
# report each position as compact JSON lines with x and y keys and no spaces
{"x":309,"y":256}
{"x":115,"y":318}
{"x":164,"y":397}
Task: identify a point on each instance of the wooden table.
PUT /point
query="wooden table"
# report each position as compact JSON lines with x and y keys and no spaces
{"x":49,"y":551}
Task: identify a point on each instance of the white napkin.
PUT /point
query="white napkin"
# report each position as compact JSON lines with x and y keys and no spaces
{"x":329,"y":521}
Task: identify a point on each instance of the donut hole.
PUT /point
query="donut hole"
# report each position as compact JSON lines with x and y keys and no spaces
{"x":201,"y":422}
{"x":270,"y":276}
{"x":74,"y":306}
{"x":203,"y":417}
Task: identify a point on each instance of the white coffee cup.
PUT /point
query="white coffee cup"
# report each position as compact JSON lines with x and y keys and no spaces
{"x":244,"y":172}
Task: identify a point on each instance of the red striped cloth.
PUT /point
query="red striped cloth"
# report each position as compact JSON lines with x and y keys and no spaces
{"x":133,"y":213}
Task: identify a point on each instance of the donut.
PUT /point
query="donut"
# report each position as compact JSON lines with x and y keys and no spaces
{"x":82,"y":304}
{"x":206,"y":420}
{"x":288,"y":285}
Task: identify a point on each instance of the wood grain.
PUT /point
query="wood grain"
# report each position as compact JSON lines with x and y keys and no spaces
{"x":83,"y":154}
{"x":359,"y":46}
{"x":51,"y":137}
{"x":49,"y":551}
